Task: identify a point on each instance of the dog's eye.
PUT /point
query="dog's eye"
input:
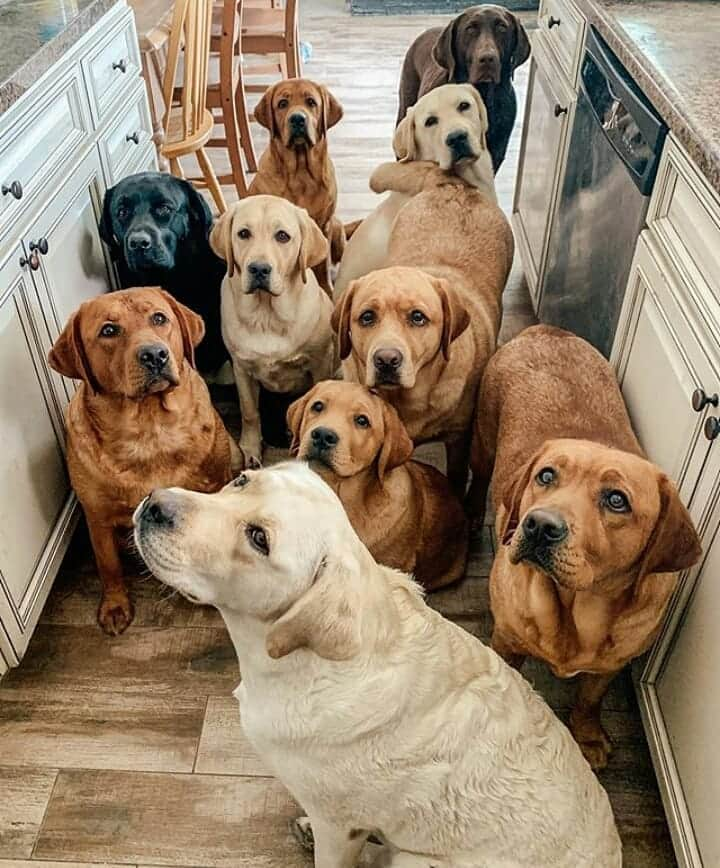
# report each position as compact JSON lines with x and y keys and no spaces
{"x":464,"y":106}
{"x":122,"y":213}
{"x":110,"y":330}
{"x":244,"y":234}
{"x":283,"y":104}
{"x":616,"y":501}
{"x":241,"y":481}
{"x":431,"y":121}
{"x":546,"y":476}
{"x":418,"y":318}
{"x":311,"y":102}
{"x":362,"y":421}
{"x":366,"y":318}
{"x":317,"y":407}
{"x":501,"y":26}
{"x":163,"y":210}
{"x":158,"y":318}
{"x":282,"y":236}
{"x":258,"y":539}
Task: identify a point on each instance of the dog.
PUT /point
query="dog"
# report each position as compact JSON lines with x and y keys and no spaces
{"x":402,"y":510}
{"x":378,"y":714}
{"x":447,"y":127}
{"x":592,"y":534}
{"x":296,"y":165}
{"x":422,"y":330}
{"x":156,"y":228}
{"x":275,"y":316}
{"x":141,"y":418}
{"x":484,"y":45}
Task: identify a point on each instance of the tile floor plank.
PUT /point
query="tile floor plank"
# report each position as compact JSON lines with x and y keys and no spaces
{"x":24,"y":796}
{"x":224,"y":749}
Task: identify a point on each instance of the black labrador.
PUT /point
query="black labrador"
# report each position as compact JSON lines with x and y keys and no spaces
{"x":483,"y":45}
{"x":156,"y":227}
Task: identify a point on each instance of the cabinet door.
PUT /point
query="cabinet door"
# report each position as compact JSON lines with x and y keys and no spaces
{"x":74,"y":268}
{"x":36,"y":505}
{"x":549,"y":110}
{"x":660,"y":363}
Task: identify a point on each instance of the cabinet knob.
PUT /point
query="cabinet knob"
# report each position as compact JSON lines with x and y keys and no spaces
{"x":121,"y":65}
{"x":39,"y":246}
{"x":553,"y":22}
{"x":700,"y":400}
{"x":15,"y":188}
{"x":712,"y":427}
{"x":133,"y":137}
{"x":559,"y":110}
{"x":33,"y":261}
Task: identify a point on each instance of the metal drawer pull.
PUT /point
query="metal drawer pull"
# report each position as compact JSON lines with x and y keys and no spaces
{"x":133,"y":137}
{"x":553,"y":22}
{"x":559,"y":110}
{"x":700,"y":400}
{"x":121,"y":65}
{"x":15,"y":188}
{"x":39,"y":246}
{"x":712,"y":427}
{"x":33,"y":261}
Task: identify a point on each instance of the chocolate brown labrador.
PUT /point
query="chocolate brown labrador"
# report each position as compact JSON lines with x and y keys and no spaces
{"x":483,"y":46}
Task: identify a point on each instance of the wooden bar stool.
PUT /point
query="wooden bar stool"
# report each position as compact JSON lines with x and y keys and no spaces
{"x":271,"y":32}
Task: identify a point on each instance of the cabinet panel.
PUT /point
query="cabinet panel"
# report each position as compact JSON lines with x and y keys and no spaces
{"x":565,"y":29}
{"x":128,"y":138}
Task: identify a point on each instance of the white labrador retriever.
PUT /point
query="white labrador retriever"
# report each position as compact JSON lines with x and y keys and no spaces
{"x":447,"y":127}
{"x":275,"y":316}
{"x":380,"y":716}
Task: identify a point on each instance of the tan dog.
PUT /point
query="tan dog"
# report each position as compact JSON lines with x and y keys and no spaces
{"x":447,"y":127}
{"x":275,"y":316}
{"x":141,"y":419}
{"x":296,"y":165}
{"x":422,"y":331}
{"x":402,"y":510}
{"x":592,"y":533}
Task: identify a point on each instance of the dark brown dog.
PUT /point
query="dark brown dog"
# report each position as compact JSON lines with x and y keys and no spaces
{"x":591,"y":533}
{"x":296,"y":165}
{"x":483,"y":46}
{"x":402,"y":510}
{"x":141,"y":419}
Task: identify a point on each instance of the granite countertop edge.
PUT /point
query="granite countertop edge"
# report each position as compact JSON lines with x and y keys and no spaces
{"x":28,"y":73}
{"x":700,"y":145}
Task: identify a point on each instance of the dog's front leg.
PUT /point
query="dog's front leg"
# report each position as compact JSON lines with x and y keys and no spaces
{"x":585,"y":720}
{"x":458,"y":457}
{"x":116,"y":611}
{"x":249,"y":398}
{"x":336,"y":848}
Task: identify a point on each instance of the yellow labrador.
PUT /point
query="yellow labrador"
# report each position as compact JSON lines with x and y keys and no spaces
{"x":275,"y":316}
{"x":379,"y":715}
{"x":448,"y":126}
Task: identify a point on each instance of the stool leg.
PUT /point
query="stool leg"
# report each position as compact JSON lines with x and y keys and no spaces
{"x":243,"y":119}
{"x":211,"y":180}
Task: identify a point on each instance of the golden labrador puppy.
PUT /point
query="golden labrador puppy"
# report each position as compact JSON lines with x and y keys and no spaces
{"x":402,"y":510}
{"x":422,"y":330}
{"x":379,"y":715}
{"x":296,"y":165}
{"x":447,"y":127}
{"x":592,"y":533}
{"x":141,"y":419}
{"x":275,"y":317}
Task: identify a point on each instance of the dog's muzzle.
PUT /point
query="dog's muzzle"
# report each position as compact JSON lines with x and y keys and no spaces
{"x":322,"y":442}
{"x":154,"y":360}
{"x":259,"y":276}
{"x":486,"y":68}
{"x":459,"y":143}
{"x":387,"y":364}
{"x":298,"y":128}
{"x":542,"y":533}
{"x":143,"y":250}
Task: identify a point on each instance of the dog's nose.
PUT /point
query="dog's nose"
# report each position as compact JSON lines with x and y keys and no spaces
{"x":260,"y":269}
{"x":456,"y":138}
{"x":385,"y":360}
{"x":153,"y":357}
{"x":544,"y":527}
{"x":159,"y":509}
{"x":298,"y":120}
{"x":139,"y":240}
{"x":488,"y":58}
{"x":324,"y":438}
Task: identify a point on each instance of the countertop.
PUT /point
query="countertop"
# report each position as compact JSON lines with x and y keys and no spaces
{"x":34,"y":34}
{"x":672,"y":50}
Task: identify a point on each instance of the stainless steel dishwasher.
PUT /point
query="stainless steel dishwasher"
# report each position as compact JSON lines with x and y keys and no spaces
{"x":615,"y":146}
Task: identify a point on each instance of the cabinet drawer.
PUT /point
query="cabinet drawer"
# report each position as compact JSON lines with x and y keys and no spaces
{"x":127,"y":139}
{"x":44,"y":136}
{"x":112,"y":68}
{"x":563,"y":29}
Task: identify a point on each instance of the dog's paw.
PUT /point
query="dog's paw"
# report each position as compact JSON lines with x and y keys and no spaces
{"x":252,"y":453}
{"x":303,"y":833}
{"x":592,"y":739}
{"x":116,"y":612}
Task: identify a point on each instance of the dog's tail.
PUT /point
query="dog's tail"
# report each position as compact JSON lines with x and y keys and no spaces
{"x":351,"y":227}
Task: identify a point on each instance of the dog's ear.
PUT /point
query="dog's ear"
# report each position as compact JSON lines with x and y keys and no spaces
{"x":314,"y":246}
{"x":192,"y":325}
{"x":332,"y":111}
{"x":397,"y":447}
{"x":674,"y":544}
{"x":443,"y":52}
{"x":482,"y":111}
{"x":199,"y":210}
{"x":404,"y":137}
{"x":294,"y":418}
{"x":68,"y":356}
{"x":264,"y":113}
{"x":105,"y":226}
{"x":326,"y":619}
{"x":455,"y":315}
{"x":512,"y":498}
{"x":221,"y":240}
{"x":340,"y":319}
{"x":521,"y":49}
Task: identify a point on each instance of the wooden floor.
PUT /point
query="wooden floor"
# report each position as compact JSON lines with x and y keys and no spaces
{"x":128,"y":751}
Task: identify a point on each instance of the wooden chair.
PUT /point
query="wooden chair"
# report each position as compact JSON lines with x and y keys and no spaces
{"x":188,"y":122}
{"x":271,"y":31}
